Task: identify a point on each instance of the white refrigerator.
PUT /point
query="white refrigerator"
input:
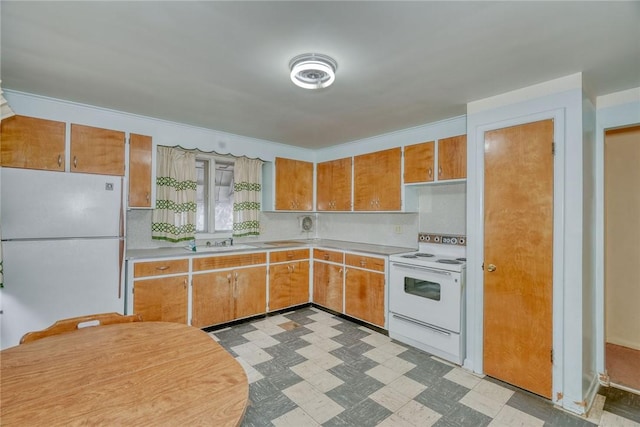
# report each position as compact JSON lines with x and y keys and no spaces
{"x":62,"y":248}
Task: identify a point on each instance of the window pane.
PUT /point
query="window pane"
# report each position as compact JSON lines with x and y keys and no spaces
{"x":202,"y":190}
{"x":224,"y":196}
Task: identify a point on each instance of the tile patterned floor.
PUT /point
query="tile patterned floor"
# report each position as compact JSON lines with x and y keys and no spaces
{"x":310,"y":368}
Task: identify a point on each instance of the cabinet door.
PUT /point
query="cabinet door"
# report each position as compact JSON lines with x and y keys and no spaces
{"x":418,"y":162}
{"x":95,"y":150}
{"x":299,"y":283}
{"x":163,"y":299}
{"x":334,"y":185}
{"x":294,"y":184}
{"x":140,"y":155}
{"x":328,"y":285}
{"x":32,"y":143}
{"x":279,"y":288}
{"x":250,"y":291}
{"x":377,"y":180}
{"x":452,"y":157}
{"x":212,"y":299}
{"x":364,"y":295}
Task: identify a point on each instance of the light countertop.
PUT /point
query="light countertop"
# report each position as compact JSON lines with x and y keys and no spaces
{"x":135,"y":254}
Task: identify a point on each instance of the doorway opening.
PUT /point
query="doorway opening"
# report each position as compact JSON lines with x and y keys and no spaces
{"x":621,"y":255}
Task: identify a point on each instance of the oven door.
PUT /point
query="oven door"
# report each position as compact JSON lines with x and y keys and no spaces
{"x":427,"y":295}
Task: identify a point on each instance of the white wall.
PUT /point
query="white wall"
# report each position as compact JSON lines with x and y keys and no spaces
{"x":561,"y":100}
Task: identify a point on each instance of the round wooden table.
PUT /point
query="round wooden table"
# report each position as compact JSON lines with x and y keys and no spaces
{"x":140,"y":373}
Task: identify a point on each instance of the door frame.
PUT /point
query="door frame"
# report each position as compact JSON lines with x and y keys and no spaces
{"x":621,"y":117}
{"x":475,"y":293}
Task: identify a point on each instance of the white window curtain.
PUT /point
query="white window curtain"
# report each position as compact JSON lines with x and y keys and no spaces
{"x":174,"y":216}
{"x":247,"y":197}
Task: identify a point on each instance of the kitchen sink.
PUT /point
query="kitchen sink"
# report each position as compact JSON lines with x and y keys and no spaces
{"x":222,"y":248}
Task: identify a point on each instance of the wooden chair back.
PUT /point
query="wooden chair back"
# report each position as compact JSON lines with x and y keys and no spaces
{"x":75,"y":323}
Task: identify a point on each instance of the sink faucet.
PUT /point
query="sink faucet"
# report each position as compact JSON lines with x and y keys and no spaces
{"x":225,"y":241}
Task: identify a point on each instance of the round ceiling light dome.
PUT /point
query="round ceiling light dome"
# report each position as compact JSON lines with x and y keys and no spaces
{"x":313,"y":70}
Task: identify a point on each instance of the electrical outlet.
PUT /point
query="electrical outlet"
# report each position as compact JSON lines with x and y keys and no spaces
{"x":397,"y":229}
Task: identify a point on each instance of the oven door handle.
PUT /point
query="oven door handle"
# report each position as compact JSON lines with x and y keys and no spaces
{"x":424,"y":325}
{"x":430,"y":270}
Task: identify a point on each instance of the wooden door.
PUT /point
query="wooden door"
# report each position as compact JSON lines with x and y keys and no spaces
{"x":163,"y":299}
{"x":334,"y":185}
{"x":328,"y":285}
{"x":32,"y":143}
{"x":95,"y":150}
{"x":299,"y":283}
{"x":418,"y":162}
{"x":518,"y":255}
{"x":250,"y":291}
{"x":140,"y":154}
{"x":364,"y":295}
{"x":212,"y":299}
{"x":452,"y":157}
{"x":279,"y":286}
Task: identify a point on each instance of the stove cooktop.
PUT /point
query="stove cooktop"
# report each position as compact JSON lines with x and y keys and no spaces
{"x":442,"y":262}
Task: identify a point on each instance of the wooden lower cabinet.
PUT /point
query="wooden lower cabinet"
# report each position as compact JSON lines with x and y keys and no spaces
{"x":328,"y":285}
{"x":162,"y":299}
{"x":222,"y":296}
{"x":288,"y":284}
{"x":364,"y":295}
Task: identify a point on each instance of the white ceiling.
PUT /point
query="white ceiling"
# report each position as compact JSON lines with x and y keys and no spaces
{"x":224,"y":65}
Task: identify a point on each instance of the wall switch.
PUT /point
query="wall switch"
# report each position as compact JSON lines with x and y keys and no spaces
{"x":397,"y":229}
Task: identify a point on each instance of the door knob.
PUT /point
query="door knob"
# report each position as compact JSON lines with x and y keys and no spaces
{"x":491,"y":268}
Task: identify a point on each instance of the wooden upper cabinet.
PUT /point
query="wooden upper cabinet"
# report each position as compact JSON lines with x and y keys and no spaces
{"x":452,"y":158}
{"x":294,"y":185}
{"x":95,"y":150}
{"x":32,"y":143}
{"x":419,"y":162}
{"x":140,"y":155}
{"x":377,"y":181}
{"x":334,"y":185}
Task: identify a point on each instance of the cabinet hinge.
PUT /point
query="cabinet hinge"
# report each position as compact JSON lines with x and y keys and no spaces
{"x":552,"y":356}
{"x":553,"y":148}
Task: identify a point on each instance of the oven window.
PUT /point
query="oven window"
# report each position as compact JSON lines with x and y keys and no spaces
{"x":422,"y":288}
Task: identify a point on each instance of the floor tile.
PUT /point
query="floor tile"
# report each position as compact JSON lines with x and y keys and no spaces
{"x":261,"y":339}
{"x":383,"y":374}
{"x":365,"y":413}
{"x":324,"y":381}
{"x":395,"y":420}
{"x":252,"y":374}
{"x":482,"y":403}
{"x":268,"y":327}
{"x":462,"y":377}
{"x":390,"y":398}
{"x":406,"y":386}
{"x":463,"y":416}
{"x":418,"y":415}
{"x":327,"y":344}
{"x":377,"y":340}
{"x":295,"y":418}
{"x":612,"y":420}
{"x":493,"y":391}
{"x":509,"y":417}
{"x":441,"y":395}
{"x":251,"y":353}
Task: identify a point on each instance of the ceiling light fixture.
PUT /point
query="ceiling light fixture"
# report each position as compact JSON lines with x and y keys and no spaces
{"x":313,"y":70}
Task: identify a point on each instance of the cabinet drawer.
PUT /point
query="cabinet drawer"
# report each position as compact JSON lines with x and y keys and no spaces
{"x":325,"y":255}
{"x":370,"y":263}
{"x":160,"y":268}
{"x":291,"y":255}
{"x":228,"y":261}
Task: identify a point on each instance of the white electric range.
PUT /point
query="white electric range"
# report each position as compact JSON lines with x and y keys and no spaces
{"x":426,"y":296}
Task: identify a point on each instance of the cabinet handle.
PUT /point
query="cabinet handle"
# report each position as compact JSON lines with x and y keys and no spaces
{"x":363,"y":262}
{"x":163,"y":268}
{"x":430,"y":172}
{"x":293,"y":268}
{"x":326,"y":256}
{"x":439,"y":170}
{"x":59,"y":160}
{"x":75,"y":161}
{"x":148,"y":197}
{"x":340,"y":271}
{"x":229,"y":278}
{"x":184,"y":284}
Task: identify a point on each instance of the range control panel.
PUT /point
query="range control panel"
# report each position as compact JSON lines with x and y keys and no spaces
{"x":442,"y":238}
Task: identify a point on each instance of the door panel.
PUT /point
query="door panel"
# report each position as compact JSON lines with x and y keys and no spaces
{"x":518,"y":241}
{"x":212,"y":300}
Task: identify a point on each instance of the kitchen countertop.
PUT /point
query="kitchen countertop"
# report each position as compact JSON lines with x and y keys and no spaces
{"x":134,"y":254}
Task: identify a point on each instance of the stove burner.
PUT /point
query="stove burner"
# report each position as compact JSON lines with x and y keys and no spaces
{"x":449,"y":261}
{"x":409,"y":256}
{"x":423,"y":255}
{"x":461,"y":259}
